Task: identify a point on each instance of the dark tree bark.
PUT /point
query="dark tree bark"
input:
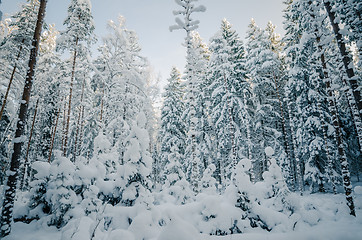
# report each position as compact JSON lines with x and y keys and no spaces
{"x":26,"y":162}
{"x":66,"y":133}
{"x":338,"y":134}
{"x":54,"y":132}
{"x":8,"y":204}
{"x":78,"y":123}
{"x":347,"y":60}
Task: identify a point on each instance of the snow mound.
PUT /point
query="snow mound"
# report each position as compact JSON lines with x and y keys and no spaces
{"x":358,"y":190}
{"x":120,"y":234}
{"x":178,"y":229}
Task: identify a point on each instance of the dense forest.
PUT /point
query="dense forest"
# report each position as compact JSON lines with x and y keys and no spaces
{"x":247,"y":132}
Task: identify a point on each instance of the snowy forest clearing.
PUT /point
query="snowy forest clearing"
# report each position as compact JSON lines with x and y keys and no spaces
{"x":317,"y":216}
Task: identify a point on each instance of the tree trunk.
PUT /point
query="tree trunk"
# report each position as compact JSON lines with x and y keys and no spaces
{"x":347,"y":60}
{"x":248,"y":136}
{"x":11,"y":80}
{"x":53,"y":134}
{"x":332,"y":105}
{"x":78,"y":123}
{"x":81,"y":132}
{"x":338,"y":136}
{"x":102,"y":103}
{"x":8,"y":203}
{"x":284,"y":129}
{"x":231,"y":129}
{"x":26,"y":163}
{"x":298,"y":168}
{"x":326,"y":147}
{"x":64,"y":122}
{"x":70,"y":99}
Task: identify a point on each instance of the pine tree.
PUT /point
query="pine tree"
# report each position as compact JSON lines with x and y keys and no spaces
{"x":14,"y":51}
{"x":188,"y":24}
{"x":47,"y":90}
{"x":16,"y":47}
{"x":76,"y":38}
{"x":8,"y":203}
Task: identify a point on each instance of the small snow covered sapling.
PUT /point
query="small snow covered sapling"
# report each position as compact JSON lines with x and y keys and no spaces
{"x":273,"y":178}
{"x":60,"y":193}
{"x":137,"y":163}
{"x":208,"y":181}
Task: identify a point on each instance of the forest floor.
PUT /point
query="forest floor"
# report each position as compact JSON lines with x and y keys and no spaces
{"x":319,"y":217}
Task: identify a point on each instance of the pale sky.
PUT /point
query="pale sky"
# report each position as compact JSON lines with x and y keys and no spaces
{"x":151,"y":20}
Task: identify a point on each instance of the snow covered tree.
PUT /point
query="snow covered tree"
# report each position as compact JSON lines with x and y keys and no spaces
{"x":15,"y":49}
{"x":176,"y":183}
{"x":309,"y":64}
{"x":227,"y":85}
{"x":264,"y":68}
{"x":346,"y":56}
{"x":8,"y":203}
{"x":208,"y":182}
{"x":273,"y":178}
{"x":60,"y":194}
{"x":14,"y":52}
{"x":137,"y":164}
{"x":172,"y":131}
{"x":46,"y":89}
{"x":76,"y":38}
{"x":120,"y":82}
{"x":188,"y":24}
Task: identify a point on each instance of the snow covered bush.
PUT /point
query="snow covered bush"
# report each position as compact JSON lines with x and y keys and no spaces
{"x":137,"y":164}
{"x":38,"y":204}
{"x":60,"y":194}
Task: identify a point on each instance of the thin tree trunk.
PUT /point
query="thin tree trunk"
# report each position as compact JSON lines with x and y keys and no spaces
{"x":248,"y":136}
{"x":64,"y":123}
{"x":102,"y":103}
{"x":326,"y":148}
{"x":53,"y":134}
{"x":11,"y":80}
{"x":8,"y":203}
{"x":231,"y":129}
{"x":284,"y":131}
{"x":26,"y":163}
{"x":70,"y":99}
{"x":81,"y":132}
{"x":347,"y":60}
{"x":298,"y":170}
{"x":78,"y":123}
{"x":338,"y":136}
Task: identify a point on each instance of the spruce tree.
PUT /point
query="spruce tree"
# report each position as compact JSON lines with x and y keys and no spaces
{"x":8,"y":203}
{"x":172,"y":132}
{"x":227,"y":85}
{"x":188,"y":24}
{"x":137,"y":166}
{"x":264,"y":67}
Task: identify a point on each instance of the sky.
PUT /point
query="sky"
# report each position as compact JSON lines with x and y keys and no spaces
{"x":151,"y":19}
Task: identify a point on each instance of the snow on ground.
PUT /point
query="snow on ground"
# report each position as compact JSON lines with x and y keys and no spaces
{"x":318,"y":216}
